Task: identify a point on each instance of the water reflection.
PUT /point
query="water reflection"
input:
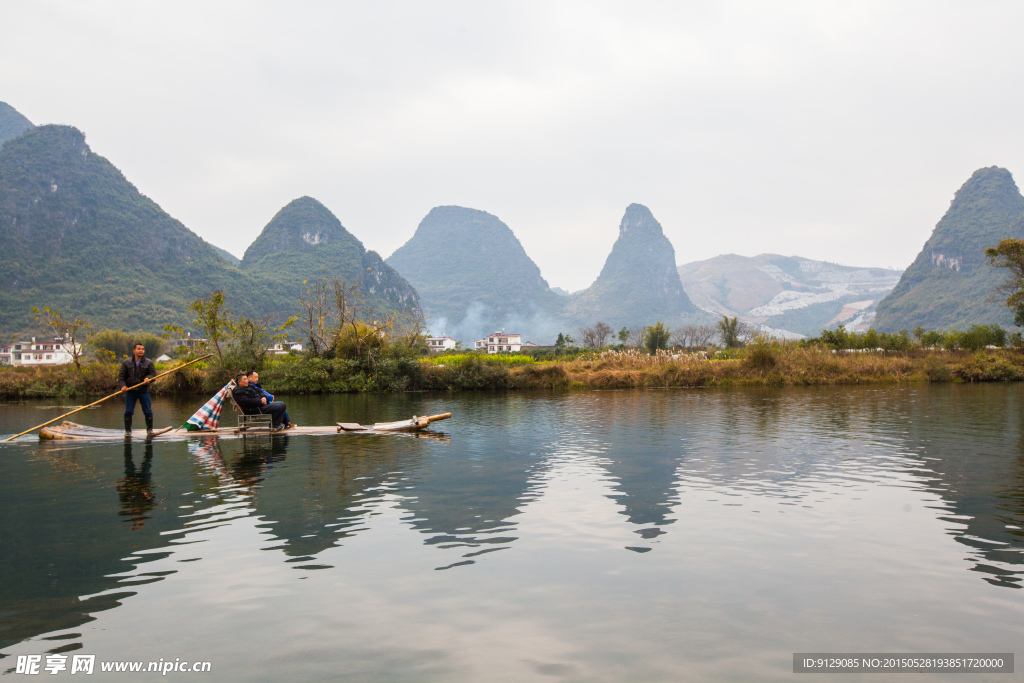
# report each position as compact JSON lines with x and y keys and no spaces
{"x":80,"y":523}
{"x":135,"y":489}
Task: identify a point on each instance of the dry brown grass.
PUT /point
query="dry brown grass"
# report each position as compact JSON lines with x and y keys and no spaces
{"x":773,"y":365}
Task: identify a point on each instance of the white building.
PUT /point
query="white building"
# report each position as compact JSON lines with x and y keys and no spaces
{"x":285,"y":347}
{"x":500,"y":342}
{"x":439,"y":344}
{"x":53,"y":352}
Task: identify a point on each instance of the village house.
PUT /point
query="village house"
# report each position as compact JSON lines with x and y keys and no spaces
{"x":439,"y":344}
{"x":55,"y":351}
{"x":501,"y":342}
{"x":188,"y":341}
{"x":285,"y":347}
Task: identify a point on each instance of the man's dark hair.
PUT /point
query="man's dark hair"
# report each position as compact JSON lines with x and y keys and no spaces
{"x":252,"y":371}
{"x":138,"y":344}
{"x":239,"y":376}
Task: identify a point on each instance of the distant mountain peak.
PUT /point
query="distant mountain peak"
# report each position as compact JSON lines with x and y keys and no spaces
{"x":302,"y":224}
{"x":473,"y":274}
{"x":639,"y":283}
{"x":12,"y":123}
{"x":640,"y":222}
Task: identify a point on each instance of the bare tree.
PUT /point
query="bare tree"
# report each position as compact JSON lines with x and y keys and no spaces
{"x":702,"y":335}
{"x":411,"y":330}
{"x":588,"y":337}
{"x":347,"y":303}
{"x":255,"y":335}
{"x":601,"y":333}
{"x":747,"y":331}
{"x":682,"y":336}
{"x":316,"y":314}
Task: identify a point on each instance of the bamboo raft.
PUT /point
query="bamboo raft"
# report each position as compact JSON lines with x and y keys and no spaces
{"x":77,"y":432}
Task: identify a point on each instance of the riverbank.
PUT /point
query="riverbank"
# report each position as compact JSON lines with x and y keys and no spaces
{"x":764,"y":365}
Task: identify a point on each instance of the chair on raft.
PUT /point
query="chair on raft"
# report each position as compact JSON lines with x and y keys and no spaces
{"x":247,"y":422}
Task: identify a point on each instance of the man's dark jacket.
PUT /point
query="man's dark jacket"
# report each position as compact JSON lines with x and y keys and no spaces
{"x":248,"y":399}
{"x":129,"y":375}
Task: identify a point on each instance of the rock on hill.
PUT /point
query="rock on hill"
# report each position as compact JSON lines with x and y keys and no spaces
{"x":790,"y":295}
{"x":79,"y":238}
{"x":12,"y":124}
{"x":305,"y":241}
{"x":474,"y":277}
{"x":639,"y":283}
{"x":951,"y":284}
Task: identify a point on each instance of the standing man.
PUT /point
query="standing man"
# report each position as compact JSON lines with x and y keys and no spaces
{"x":137,"y":370}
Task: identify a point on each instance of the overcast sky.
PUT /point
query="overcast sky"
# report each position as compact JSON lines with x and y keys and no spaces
{"x":834,"y":131}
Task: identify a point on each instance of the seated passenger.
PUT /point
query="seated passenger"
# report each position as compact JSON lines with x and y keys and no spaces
{"x":254,"y":403}
{"x":254,"y":382}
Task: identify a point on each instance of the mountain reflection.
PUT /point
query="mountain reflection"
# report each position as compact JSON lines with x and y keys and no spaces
{"x":976,"y":464}
{"x":78,"y":523}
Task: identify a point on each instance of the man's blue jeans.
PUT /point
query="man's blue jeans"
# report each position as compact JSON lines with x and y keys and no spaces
{"x":130,"y":397}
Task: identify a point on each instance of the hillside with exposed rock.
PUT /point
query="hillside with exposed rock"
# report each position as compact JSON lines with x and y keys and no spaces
{"x":305,"y":241}
{"x":951,"y":284}
{"x":787,"y":294}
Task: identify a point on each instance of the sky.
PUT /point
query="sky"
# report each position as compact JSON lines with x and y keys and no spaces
{"x":829,"y":130}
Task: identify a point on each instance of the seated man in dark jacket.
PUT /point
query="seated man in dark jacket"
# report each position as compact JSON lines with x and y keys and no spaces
{"x":254,"y":382}
{"x":254,"y":403}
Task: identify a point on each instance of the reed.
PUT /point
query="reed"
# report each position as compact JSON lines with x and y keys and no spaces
{"x":772,"y":364}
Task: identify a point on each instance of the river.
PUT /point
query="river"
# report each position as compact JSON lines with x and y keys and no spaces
{"x":597,"y":536}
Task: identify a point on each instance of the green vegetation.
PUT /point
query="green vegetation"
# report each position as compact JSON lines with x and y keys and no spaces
{"x":656,"y":337}
{"x":455,"y":359}
{"x":762,"y":362}
{"x":951,"y":282}
{"x":1009,"y":254}
{"x":729,"y":331}
{"x":79,"y":237}
{"x":974,"y":339}
{"x":114,"y":345}
{"x":305,"y":242}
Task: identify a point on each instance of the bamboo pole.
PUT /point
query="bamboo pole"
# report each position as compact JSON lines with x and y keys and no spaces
{"x":106,"y":398}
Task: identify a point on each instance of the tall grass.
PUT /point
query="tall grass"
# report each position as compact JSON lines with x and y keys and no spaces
{"x":767,"y":364}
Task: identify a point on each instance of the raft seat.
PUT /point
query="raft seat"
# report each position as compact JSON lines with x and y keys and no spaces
{"x":246,"y":422}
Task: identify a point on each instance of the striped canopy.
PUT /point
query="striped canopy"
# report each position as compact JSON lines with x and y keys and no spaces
{"x":208,"y":416}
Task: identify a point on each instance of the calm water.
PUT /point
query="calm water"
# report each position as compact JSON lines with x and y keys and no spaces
{"x":604,"y":536}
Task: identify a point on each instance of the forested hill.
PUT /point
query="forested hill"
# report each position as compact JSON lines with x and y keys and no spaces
{"x":474,"y":276}
{"x":639,"y":283}
{"x":951,"y":284}
{"x":12,"y":124}
{"x":79,"y":238}
{"x":305,"y":241}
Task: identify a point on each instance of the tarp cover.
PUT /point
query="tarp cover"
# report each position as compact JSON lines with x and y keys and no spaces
{"x":208,"y":416}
